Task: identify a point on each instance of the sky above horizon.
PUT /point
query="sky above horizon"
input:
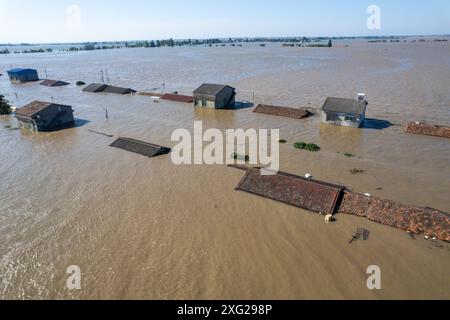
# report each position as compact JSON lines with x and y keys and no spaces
{"x":44,"y":21}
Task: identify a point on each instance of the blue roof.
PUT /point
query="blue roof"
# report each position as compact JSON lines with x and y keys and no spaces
{"x":21,"y":70}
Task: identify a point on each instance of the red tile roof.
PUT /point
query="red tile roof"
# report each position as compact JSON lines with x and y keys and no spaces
{"x":178,"y":98}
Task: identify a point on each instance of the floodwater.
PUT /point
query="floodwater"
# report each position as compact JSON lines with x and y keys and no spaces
{"x":143,"y":228}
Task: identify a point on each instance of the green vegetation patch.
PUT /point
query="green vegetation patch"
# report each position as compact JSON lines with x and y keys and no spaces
{"x":240,"y":157}
{"x":307,"y":146}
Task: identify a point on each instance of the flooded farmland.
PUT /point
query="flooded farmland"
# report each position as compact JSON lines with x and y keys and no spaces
{"x":143,"y":228}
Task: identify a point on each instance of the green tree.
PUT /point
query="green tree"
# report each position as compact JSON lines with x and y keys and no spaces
{"x":330,"y":44}
{"x":5,"y":108}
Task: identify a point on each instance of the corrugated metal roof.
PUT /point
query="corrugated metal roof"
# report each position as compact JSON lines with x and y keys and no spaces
{"x":35,"y":107}
{"x":293,"y":190}
{"x":342,"y":105}
{"x":208,"y":89}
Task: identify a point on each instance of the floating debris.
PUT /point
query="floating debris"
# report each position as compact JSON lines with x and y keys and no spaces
{"x":101,"y":133}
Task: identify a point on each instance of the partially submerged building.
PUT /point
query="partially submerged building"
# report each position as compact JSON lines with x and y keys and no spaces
{"x":140,"y":147}
{"x":98,"y":87}
{"x":53,"y":83}
{"x":345,"y":112}
{"x":214,"y":96}
{"x":20,"y":75}
{"x":283,"y":111}
{"x":44,"y":116}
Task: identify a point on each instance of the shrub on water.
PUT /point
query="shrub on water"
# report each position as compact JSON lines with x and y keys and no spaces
{"x":349,"y":155}
{"x":240,"y":157}
{"x":300,"y":145}
{"x":312,"y":147}
{"x":5,"y":108}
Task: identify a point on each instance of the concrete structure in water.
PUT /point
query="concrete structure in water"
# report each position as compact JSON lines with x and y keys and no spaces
{"x":345,"y":112}
{"x":20,"y":75}
{"x":44,"y":116}
{"x":214,"y":96}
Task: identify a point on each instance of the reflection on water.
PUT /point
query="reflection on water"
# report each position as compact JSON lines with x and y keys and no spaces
{"x":144,"y":228}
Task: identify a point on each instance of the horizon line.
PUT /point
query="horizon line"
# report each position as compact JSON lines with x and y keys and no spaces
{"x":226,"y":38}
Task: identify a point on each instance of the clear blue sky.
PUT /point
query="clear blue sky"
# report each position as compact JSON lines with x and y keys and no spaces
{"x":46,"y":20}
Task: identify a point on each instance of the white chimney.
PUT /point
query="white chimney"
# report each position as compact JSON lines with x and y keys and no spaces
{"x":361,"y":97}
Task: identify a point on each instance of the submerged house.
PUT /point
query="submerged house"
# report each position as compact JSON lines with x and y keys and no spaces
{"x":53,"y":83}
{"x":99,"y":87}
{"x":20,"y":75}
{"x":214,"y":96}
{"x":44,"y":116}
{"x":345,"y":112}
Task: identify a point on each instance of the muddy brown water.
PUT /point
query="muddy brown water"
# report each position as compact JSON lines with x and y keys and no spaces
{"x":144,"y":228}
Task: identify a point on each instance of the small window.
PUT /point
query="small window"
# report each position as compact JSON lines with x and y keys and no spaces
{"x":331,"y":117}
{"x":349,"y":119}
